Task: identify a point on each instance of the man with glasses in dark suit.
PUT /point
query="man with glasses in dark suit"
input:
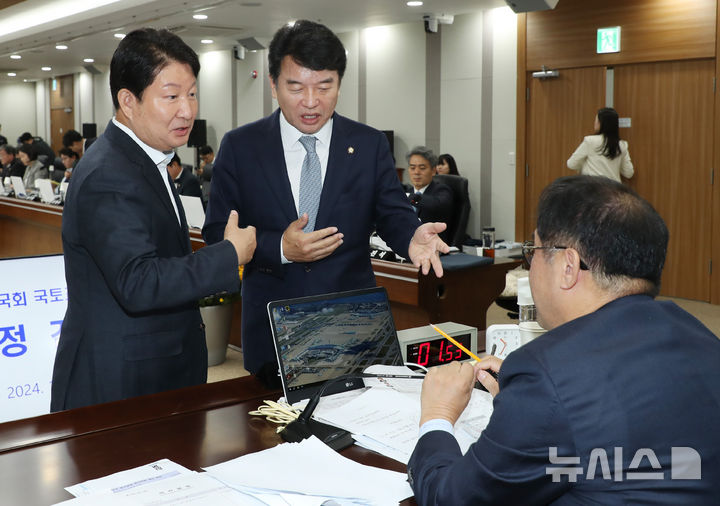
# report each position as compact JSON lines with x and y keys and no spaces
{"x":617,"y":403}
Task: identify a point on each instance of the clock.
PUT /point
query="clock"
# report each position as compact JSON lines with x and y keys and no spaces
{"x":500,"y":340}
{"x":423,"y":346}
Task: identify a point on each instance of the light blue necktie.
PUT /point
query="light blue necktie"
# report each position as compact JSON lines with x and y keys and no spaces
{"x":310,"y":182}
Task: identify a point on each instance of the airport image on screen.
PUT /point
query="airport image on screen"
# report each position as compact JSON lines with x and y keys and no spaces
{"x":322,"y":339}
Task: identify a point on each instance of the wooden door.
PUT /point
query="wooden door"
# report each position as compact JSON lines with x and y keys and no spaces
{"x":62,"y":119}
{"x":560,"y":112}
{"x":670,"y":105}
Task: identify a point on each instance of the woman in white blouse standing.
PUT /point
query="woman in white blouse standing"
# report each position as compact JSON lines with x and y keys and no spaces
{"x":603,"y":154}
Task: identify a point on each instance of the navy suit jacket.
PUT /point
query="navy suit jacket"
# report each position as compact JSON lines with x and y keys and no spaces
{"x":636,"y":374}
{"x":436,"y":204}
{"x":360,"y":192}
{"x":132,"y":325}
{"x":187,"y":184}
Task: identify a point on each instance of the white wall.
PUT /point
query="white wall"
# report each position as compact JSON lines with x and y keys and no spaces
{"x":460,"y":103}
{"x":215,"y":93}
{"x":42,"y":110}
{"x":349,"y":88}
{"x":18,"y":104}
{"x":250,"y":91}
{"x":104,"y":109}
{"x":395,"y":83}
{"x":504,"y":79}
{"x":84,"y":99}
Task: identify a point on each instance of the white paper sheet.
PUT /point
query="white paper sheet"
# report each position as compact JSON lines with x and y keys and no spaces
{"x":312,"y":468}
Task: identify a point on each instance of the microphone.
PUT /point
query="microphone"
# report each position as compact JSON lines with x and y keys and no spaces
{"x":335,"y":437}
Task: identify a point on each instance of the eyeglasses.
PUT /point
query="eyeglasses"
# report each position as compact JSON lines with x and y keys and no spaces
{"x":528,"y":251}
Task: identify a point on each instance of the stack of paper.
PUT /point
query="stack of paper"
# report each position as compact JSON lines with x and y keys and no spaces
{"x":385,"y":417}
{"x":312,"y":468}
{"x":308,"y":473}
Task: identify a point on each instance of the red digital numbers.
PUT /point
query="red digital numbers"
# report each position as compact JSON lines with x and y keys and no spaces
{"x":437,"y":351}
{"x":424,"y":354}
{"x":448,"y":352}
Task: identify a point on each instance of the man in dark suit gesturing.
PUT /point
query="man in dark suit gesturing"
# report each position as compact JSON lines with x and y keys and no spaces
{"x":617,"y":403}
{"x":315,"y":185}
{"x":132,"y":325}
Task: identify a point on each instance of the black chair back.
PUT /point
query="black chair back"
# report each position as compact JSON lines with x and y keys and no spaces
{"x":461,"y":212}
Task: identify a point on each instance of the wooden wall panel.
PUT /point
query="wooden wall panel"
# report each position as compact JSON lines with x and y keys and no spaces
{"x":671,"y":144}
{"x":652,"y":30}
{"x":521,"y":129}
{"x":560,"y":112}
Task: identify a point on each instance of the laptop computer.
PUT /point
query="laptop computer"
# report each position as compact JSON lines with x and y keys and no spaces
{"x":47,"y":194}
{"x":194,"y":212}
{"x":19,"y":188}
{"x":322,"y":337}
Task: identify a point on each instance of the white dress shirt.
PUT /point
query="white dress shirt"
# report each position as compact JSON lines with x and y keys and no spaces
{"x":159,"y":158}
{"x":295,"y":154}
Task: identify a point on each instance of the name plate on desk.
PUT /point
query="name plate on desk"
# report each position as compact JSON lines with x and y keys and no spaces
{"x":33,"y":299}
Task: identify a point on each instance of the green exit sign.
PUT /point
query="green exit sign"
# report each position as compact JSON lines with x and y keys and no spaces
{"x":608,"y":40}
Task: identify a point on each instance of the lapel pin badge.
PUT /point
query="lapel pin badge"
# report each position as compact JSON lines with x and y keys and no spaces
{"x":351,"y":150}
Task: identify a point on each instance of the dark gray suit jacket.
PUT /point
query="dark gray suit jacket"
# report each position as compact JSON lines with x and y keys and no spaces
{"x":132,"y":325}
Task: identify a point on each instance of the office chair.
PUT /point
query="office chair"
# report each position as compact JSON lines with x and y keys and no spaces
{"x":461,"y":212}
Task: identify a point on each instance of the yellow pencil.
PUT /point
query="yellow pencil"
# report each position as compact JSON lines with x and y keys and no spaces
{"x":463,"y":348}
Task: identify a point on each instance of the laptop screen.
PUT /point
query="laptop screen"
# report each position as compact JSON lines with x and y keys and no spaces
{"x":322,"y":337}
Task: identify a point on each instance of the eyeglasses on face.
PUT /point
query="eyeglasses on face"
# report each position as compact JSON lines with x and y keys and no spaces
{"x":529,"y":248}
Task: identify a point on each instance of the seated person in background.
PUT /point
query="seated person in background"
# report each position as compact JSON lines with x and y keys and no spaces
{"x":204,"y":170}
{"x":69,"y":160}
{"x":432,"y":201}
{"x":34,"y":168}
{"x":446,"y":165}
{"x":74,"y":140}
{"x":11,"y":165}
{"x":44,"y":153}
{"x":185,"y":182}
{"x":622,"y":387}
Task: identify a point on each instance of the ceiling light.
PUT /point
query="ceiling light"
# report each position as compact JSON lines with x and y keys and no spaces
{"x":39,"y":13}
{"x":11,"y":74}
{"x":199,"y":16}
{"x":414,"y":4}
{"x":15,"y":56}
{"x":46,"y":69}
{"x":60,"y":46}
{"x":119,"y":35}
{"x":89,"y":60}
{"x":207,"y":41}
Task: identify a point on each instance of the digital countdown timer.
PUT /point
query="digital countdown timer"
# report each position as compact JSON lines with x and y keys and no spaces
{"x":426,"y":347}
{"x":437,"y":351}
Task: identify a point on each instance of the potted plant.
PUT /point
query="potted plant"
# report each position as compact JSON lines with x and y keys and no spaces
{"x":217,"y":311}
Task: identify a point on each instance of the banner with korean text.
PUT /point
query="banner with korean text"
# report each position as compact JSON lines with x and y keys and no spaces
{"x":33,"y":299}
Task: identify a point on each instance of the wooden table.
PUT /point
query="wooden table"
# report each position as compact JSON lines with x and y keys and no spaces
{"x":462,"y":296}
{"x":29,"y":228}
{"x":195,"y":427}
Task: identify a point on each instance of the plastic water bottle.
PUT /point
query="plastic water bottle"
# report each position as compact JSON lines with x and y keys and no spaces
{"x":529,"y":326}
